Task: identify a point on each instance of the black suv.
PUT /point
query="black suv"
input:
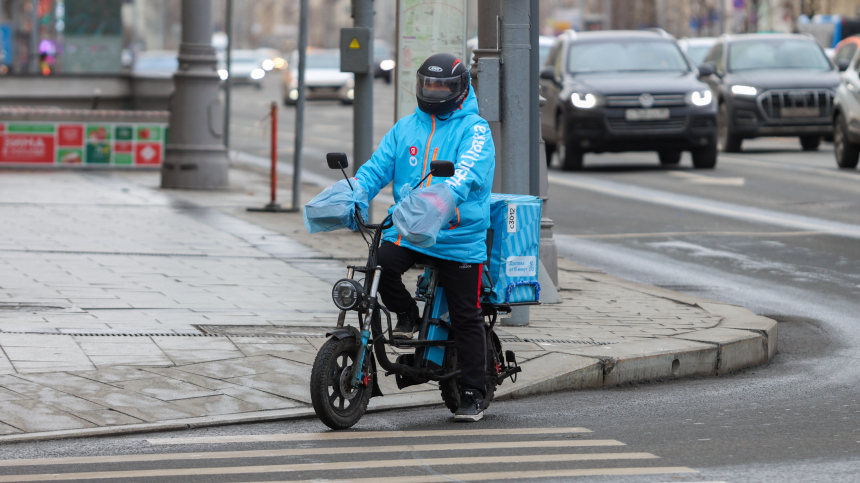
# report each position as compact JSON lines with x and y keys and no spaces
{"x":616,"y":91}
{"x":772,"y":85}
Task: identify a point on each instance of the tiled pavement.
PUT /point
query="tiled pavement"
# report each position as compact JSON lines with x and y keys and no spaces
{"x":123,"y":305}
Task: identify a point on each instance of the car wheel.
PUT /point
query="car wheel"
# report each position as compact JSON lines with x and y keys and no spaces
{"x":847,"y":153}
{"x":705,"y":158}
{"x":810,"y":143}
{"x":728,"y":142}
{"x":669,"y":157}
{"x":569,"y":157}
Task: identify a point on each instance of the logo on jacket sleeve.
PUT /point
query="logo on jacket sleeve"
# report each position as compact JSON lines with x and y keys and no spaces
{"x":413,"y":161}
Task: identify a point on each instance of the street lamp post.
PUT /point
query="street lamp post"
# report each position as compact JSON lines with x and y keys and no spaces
{"x":195,"y":156}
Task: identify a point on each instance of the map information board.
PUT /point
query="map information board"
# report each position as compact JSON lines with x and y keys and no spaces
{"x":425,"y":28}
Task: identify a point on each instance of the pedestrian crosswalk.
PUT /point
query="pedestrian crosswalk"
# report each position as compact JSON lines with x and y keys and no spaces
{"x":480,"y":454}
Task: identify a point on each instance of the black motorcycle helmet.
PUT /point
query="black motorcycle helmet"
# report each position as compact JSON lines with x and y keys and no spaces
{"x":442,"y":84}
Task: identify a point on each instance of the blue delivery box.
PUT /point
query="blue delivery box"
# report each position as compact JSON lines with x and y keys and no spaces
{"x":513,"y":243}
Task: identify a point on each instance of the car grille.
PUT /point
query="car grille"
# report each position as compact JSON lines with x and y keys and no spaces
{"x":773,"y":102}
{"x":668,"y":125}
{"x":660,"y":100}
{"x":701,"y":122}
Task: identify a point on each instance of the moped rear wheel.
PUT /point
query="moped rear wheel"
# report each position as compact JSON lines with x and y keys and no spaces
{"x":336,"y":402}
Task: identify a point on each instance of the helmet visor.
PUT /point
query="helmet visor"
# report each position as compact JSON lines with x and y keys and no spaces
{"x":438,"y":88}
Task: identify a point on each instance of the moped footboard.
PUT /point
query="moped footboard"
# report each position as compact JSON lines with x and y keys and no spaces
{"x":404,"y":370}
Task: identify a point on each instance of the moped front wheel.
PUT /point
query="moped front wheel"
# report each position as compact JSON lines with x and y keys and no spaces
{"x":336,"y":402}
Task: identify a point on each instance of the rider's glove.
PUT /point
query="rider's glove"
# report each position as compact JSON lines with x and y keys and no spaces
{"x":421,"y":213}
{"x":334,"y":208}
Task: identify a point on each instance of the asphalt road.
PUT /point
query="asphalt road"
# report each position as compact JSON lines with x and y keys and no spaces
{"x":773,"y":229}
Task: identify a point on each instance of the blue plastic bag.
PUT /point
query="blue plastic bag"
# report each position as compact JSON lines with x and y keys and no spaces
{"x":421,"y":213}
{"x":334,"y":208}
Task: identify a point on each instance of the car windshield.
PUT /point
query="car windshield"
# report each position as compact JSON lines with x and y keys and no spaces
{"x":156,"y":64}
{"x":543,"y":53}
{"x":776,"y":54}
{"x":697,"y":53}
{"x":323,"y":61}
{"x":635,"y":55}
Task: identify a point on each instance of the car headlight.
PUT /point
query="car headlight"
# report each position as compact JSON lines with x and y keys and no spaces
{"x":222,"y":73}
{"x":294,"y":94}
{"x":583,"y":101}
{"x":258,"y":74}
{"x":701,"y":98}
{"x":386,"y":64}
{"x":744,"y":90}
{"x":347,"y":294}
{"x":268,"y":64}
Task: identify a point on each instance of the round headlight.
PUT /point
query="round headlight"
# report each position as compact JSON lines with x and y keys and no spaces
{"x":347,"y":294}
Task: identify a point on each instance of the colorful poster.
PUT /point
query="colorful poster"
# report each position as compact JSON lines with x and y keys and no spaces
{"x":27,"y":143}
{"x":81,"y":144}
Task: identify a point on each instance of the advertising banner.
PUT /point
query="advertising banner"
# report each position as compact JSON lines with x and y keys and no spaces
{"x":82,"y":144}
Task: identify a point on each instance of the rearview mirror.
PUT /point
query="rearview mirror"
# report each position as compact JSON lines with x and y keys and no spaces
{"x":337,"y":160}
{"x":547,"y":73}
{"x":706,"y":70}
{"x":442,"y":169}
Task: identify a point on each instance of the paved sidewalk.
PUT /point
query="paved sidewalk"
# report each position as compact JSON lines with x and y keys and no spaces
{"x":124,"y":307}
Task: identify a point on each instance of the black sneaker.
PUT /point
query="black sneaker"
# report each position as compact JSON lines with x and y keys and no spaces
{"x":470,"y":410}
{"x":407,"y":324}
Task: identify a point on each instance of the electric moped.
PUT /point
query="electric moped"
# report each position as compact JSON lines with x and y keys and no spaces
{"x":344,"y":375}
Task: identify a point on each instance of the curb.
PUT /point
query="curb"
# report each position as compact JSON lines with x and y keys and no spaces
{"x":741,"y":340}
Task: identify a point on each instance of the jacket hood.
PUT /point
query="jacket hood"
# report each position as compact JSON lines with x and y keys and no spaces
{"x":469,"y":106}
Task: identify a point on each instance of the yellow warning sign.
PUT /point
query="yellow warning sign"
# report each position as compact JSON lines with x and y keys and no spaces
{"x":354,"y":44}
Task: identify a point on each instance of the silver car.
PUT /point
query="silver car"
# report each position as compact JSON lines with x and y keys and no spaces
{"x":846,"y":118}
{"x":323,"y":78}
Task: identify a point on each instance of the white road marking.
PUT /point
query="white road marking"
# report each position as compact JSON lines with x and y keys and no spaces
{"x":202,"y":455}
{"x":327,"y":466}
{"x":709,"y":180}
{"x":509,"y":475}
{"x":702,"y":205}
{"x":335,"y":435}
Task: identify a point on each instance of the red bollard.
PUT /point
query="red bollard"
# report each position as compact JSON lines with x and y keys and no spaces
{"x":273,"y":206}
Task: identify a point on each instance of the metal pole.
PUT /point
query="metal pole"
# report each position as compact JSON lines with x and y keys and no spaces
{"x":362,"y":117}
{"x":274,"y":118}
{"x":228,"y":27}
{"x":300,"y":106}
{"x":516,"y":98}
{"x":195,"y":156}
{"x":34,"y":39}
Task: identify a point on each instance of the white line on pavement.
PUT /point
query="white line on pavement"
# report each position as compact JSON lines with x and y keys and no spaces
{"x":702,"y":205}
{"x":252,"y":438}
{"x":510,"y":475}
{"x":337,"y":450}
{"x":329,"y":466}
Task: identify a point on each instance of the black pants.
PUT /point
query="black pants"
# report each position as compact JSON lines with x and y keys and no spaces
{"x":462,"y":284}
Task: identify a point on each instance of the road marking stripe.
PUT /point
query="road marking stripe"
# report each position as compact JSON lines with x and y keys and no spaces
{"x":788,"y":166}
{"x":328,"y":466}
{"x":335,"y":435}
{"x":711,"y":207}
{"x":706,"y":233}
{"x":510,"y":475}
{"x":701,"y":179}
{"x":309,"y":451}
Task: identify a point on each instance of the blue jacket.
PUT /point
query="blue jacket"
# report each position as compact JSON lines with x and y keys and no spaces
{"x":404,"y":157}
